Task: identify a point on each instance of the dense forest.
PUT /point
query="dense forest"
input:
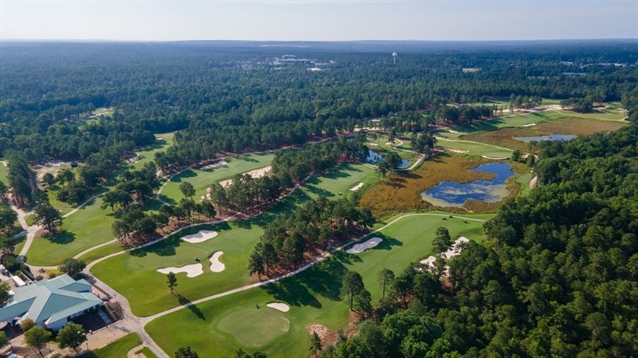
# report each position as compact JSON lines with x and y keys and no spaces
{"x":557,"y":277}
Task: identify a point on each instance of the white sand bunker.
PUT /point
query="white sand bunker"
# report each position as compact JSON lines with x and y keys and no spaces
{"x":357,"y":187}
{"x":257,"y":173}
{"x":192,"y":270}
{"x":529,"y":125}
{"x":214,"y":165}
{"x":461,"y":151}
{"x":455,"y":250}
{"x":200,"y":236}
{"x":358,"y":248}
{"x":215,"y":264}
{"x":279,"y":306}
{"x":429,"y":261}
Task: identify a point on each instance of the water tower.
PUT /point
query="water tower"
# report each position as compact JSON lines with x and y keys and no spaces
{"x":394,"y":58}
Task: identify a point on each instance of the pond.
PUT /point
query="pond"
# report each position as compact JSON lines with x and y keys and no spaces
{"x":563,"y":137}
{"x":456,"y":194}
{"x":376,"y":158}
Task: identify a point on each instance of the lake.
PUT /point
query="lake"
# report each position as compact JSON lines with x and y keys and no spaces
{"x":563,"y":137}
{"x":376,"y":158}
{"x":456,"y":194}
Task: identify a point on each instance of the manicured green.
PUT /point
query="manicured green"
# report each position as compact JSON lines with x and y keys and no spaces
{"x":475,"y":148}
{"x":30,"y":219}
{"x":340,"y":180}
{"x":313,"y":295}
{"x":524,"y":181}
{"x":252,"y":326}
{"x":146,"y":352}
{"x":3,"y":174}
{"x":147,"y":154}
{"x":86,"y":228}
{"x":202,"y":179}
{"x":101,"y":252}
{"x":119,"y":348}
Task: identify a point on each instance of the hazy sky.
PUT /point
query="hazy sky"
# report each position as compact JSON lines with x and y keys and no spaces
{"x":317,"y":20}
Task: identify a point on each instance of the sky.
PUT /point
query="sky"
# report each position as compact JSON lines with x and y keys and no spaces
{"x":319,"y":20}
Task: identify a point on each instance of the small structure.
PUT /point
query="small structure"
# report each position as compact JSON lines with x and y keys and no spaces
{"x":50,"y":303}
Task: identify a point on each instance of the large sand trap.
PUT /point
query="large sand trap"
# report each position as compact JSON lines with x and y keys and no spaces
{"x":358,"y":248}
{"x":214,"y":165}
{"x":357,"y":187}
{"x":461,"y":151}
{"x":429,"y":261}
{"x":279,"y":306}
{"x":529,"y":125}
{"x":215,"y":264}
{"x":455,"y":250}
{"x":192,"y":270}
{"x":199,"y":237}
{"x":257,"y":173}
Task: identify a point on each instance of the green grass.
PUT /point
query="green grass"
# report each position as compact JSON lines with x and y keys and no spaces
{"x":474,"y":148}
{"x":235,"y":240}
{"x":30,"y":220}
{"x":101,"y":252}
{"x":146,"y":352}
{"x":607,"y":114}
{"x":4,"y":174}
{"x":201,"y":179}
{"x":88,"y":227}
{"x":313,"y":295}
{"x":119,"y":348}
{"x":524,"y":181}
{"x":254,"y":327}
{"x":147,"y":154}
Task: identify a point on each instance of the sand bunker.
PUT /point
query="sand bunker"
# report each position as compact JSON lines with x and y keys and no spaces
{"x":461,"y":151}
{"x":358,"y":248}
{"x":214,"y":165}
{"x":429,"y":261}
{"x":455,"y":250}
{"x":192,"y":270}
{"x":257,"y":173}
{"x":199,"y":237}
{"x":357,"y":187}
{"x":529,"y":125}
{"x":215,"y":264}
{"x":279,"y":306}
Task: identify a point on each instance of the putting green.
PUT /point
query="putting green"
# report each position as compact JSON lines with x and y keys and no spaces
{"x":254,"y":327}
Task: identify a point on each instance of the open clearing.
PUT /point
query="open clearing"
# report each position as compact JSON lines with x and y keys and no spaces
{"x":202,"y":179}
{"x":147,"y":154}
{"x":88,"y":227}
{"x":313,"y":294}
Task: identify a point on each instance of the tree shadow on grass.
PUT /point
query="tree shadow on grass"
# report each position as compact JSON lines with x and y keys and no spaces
{"x":318,"y":191}
{"x":286,"y":206}
{"x":292,"y":291}
{"x":193,"y":308}
{"x":183,"y":175}
{"x":167,"y":199}
{"x":63,"y":237}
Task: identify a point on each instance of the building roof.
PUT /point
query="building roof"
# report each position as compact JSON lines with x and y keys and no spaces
{"x":50,"y":300}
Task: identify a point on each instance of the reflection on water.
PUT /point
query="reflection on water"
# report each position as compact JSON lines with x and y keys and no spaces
{"x":455,"y":194}
{"x":375,"y":158}
{"x":563,"y":137}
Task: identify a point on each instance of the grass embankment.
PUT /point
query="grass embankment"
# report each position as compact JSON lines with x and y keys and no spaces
{"x":119,"y":348}
{"x":313,"y":296}
{"x":88,"y":227}
{"x":202,"y":179}
{"x":235,"y":239}
{"x":402,"y":191}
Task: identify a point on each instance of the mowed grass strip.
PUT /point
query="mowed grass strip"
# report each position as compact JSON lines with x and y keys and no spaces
{"x":313,"y":295}
{"x":235,"y":239}
{"x":473,"y":148}
{"x":402,"y":191}
{"x":202,"y":179}
{"x":119,"y":348}
{"x":88,"y":227}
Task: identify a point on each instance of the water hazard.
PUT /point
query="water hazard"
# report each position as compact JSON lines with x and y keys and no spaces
{"x":376,"y":158}
{"x":563,"y":137}
{"x":456,"y":194}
